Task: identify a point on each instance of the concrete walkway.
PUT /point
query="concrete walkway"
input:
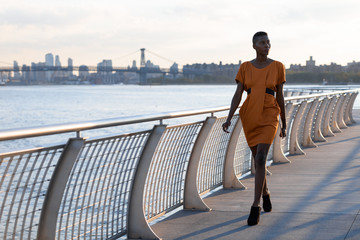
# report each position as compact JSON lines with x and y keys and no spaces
{"x":316,"y":196}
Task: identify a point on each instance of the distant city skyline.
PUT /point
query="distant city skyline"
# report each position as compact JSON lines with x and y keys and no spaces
{"x":54,"y":60}
{"x":183,"y":31}
{"x":50,"y":71}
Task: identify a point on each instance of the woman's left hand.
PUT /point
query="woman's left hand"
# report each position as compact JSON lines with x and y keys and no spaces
{"x":226,"y":126}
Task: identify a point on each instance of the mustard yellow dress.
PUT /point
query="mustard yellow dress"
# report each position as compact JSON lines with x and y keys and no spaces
{"x":260,"y":111}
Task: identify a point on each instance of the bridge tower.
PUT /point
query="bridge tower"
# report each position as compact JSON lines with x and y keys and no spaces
{"x":142,"y":60}
{"x":142,"y":72}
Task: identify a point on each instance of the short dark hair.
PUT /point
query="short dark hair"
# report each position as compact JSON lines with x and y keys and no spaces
{"x":258,"y":34}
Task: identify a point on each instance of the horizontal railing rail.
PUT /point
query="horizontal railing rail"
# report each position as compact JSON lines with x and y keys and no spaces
{"x":104,"y":123}
{"x":114,"y":186}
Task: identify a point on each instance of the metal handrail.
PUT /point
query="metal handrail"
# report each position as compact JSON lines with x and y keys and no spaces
{"x":96,"y":124}
{"x":319,"y":95}
{"x":12,"y":134}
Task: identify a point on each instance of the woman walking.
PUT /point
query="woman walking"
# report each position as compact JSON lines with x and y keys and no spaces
{"x":261,"y":78}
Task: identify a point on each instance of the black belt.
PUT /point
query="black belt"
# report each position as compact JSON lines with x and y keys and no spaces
{"x":268,"y":91}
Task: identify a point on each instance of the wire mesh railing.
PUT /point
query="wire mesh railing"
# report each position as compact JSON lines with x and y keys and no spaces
{"x":94,"y":205}
{"x":166,"y":177}
{"x":242,"y":160}
{"x":212,"y":158}
{"x":24,"y":180}
{"x":93,"y":182}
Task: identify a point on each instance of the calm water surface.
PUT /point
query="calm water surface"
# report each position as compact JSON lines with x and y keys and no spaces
{"x":30,"y":106}
{"x":43,"y":105}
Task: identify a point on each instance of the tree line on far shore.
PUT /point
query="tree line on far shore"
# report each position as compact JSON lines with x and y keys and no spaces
{"x":291,"y":78}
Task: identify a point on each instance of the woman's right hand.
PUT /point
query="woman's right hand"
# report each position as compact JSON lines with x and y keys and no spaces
{"x":226,"y":126}
{"x":283,"y":132}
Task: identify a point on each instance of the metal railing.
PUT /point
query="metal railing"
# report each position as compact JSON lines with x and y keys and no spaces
{"x":109,"y":187}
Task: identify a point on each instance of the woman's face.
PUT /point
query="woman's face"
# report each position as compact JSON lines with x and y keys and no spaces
{"x":262,"y":45}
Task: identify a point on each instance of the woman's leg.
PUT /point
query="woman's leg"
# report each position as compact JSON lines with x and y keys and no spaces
{"x":265,"y":191}
{"x":260,"y":154}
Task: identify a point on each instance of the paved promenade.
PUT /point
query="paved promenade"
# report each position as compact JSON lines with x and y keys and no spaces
{"x":316,"y":196}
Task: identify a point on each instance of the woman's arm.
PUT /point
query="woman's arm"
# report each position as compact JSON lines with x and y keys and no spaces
{"x":281,"y":102}
{"x":234,"y":105}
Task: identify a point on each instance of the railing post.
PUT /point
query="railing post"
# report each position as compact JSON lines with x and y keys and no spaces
{"x":347,"y":119}
{"x":334,"y":123}
{"x":307,"y":139}
{"x":192,"y":199}
{"x":318,"y":136}
{"x":57,"y":185}
{"x":138,"y":227}
{"x":327,"y":132}
{"x":294,"y":144}
{"x":350,"y":107}
{"x":229,"y":177}
{"x":278,"y":152}
{"x":341,"y":115}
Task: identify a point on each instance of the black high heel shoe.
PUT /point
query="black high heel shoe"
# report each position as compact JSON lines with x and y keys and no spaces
{"x":254,"y":216}
{"x":267,"y":203}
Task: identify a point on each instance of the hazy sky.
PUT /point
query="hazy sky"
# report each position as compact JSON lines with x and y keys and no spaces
{"x":184,"y":31}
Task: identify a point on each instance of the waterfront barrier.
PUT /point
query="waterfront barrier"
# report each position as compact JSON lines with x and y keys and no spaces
{"x":109,"y":187}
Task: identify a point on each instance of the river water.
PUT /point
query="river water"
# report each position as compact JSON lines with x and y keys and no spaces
{"x":30,"y":106}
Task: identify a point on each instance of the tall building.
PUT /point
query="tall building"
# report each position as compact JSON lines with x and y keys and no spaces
{"x":83,"y":72}
{"x":57,"y":61}
{"x":38,"y":75}
{"x":310,"y":65}
{"x":49,"y":59}
{"x":310,"y":62}
{"x":134,"y":65}
{"x":49,"y":62}
{"x":104,"y":70}
{"x":104,"y":66}
{"x":70,"y":62}
{"x":70,"y":66}
{"x":25,"y":70}
{"x":16,"y":70}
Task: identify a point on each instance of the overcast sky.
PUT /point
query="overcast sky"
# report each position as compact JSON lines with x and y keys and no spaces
{"x":184,"y":31}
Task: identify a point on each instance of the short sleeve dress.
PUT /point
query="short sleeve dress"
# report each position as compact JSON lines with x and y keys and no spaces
{"x":260,"y":111}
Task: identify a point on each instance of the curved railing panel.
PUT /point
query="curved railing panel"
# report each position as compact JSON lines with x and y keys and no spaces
{"x":212,"y":158}
{"x":289,"y":124}
{"x":316,"y":115}
{"x":166,"y":177}
{"x":94,"y":205}
{"x":242,"y":159}
{"x":24,"y":180}
{"x":302,"y":125}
